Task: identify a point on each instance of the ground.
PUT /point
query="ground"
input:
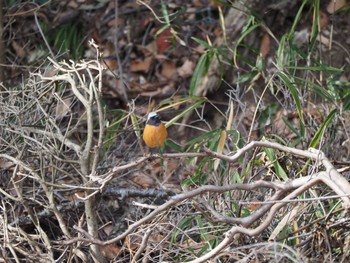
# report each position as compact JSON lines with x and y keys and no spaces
{"x":244,"y":88}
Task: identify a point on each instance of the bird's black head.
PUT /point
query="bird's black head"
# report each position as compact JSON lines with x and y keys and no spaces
{"x":153,"y":119}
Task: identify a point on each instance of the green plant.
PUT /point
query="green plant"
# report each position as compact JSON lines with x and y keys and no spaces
{"x":68,"y":38}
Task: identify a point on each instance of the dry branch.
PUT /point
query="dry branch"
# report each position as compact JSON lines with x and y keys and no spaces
{"x":284,"y":192}
{"x":48,"y":165}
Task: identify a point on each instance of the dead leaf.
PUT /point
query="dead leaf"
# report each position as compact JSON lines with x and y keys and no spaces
{"x":65,"y":17}
{"x":220,"y":148}
{"x":346,"y":248}
{"x":285,"y":221}
{"x":218,"y":32}
{"x":215,"y":3}
{"x":141,"y":65}
{"x":132,"y":242}
{"x":110,"y":251}
{"x":143,"y":180}
{"x":165,"y":91}
{"x":199,"y":49}
{"x":108,"y":49}
{"x":108,"y":229}
{"x":186,"y":70}
{"x":168,"y":69}
{"x":265,"y":45}
{"x":151,"y":49}
{"x":335,"y":5}
{"x":63,"y":107}
{"x":116,"y":22}
{"x":197,"y":3}
{"x":343,"y":78}
{"x":96,"y":35}
{"x":75,"y":197}
{"x":324,"y":40}
{"x":323,"y":19}
{"x":145,"y":22}
{"x":5,"y":164}
{"x":50,"y":71}
{"x":111,"y":63}
{"x":20,"y":52}
{"x":164,"y":40}
{"x":151,"y":94}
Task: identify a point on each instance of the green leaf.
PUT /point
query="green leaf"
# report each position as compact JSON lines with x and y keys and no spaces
{"x":165,"y":13}
{"x":200,"y":70}
{"x":199,"y":177}
{"x":240,"y":39}
{"x":184,"y":112}
{"x":278,"y":168}
{"x":214,"y":134}
{"x":319,"y":134}
{"x":181,"y":226}
{"x":171,"y":144}
{"x":316,"y":68}
{"x":297,"y":19}
{"x":280,"y":52}
{"x":202,"y":42}
{"x":295,"y":131}
{"x":296,"y":99}
{"x":201,"y":228}
{"x":291,"y":127}
{"x":315,"y":24}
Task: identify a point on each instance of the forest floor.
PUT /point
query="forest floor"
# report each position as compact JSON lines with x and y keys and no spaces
{"x":221,"y":75}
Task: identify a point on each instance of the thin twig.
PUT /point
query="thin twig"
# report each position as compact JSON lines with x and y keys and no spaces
{"x":143,"y":245}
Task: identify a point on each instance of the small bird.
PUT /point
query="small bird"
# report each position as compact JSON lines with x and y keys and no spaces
{"x":155,"y":133}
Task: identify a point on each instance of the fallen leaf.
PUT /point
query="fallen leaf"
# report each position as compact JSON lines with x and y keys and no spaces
{"x":20,"y":52}
{"x":151,"y":94}
{"x":186,"y":70}
{"x":116,"y":22}
{"x":151,"y":48}
{"x":324,"y":40}
{"x":143,"y":23}
{"x":5,"y":164}
{"x":220,"y":148}
{"x":141,"y":65}
{"x":216,"y":4}
{"x":110,"y":251}
{"x":108,"y":229}
{"x":265,"y":45}
{"x":64,"y":17}
{"x":168,"y":69}
{"x":63,"y":107}
{"x":96,"y":36}
{"x":254,"y":204}
{"x":164,"y":40}
{"x":110,"y":62}
{"x":286,"y":221}
{"x":335,"y":5}
{"x":323,"y":19}
{"x":143,"y":180}
{"x":160,"y":92}
{"x":108,"y":49}
{"x":197,"y":3}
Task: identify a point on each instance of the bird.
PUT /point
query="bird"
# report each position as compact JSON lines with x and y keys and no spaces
{"x":155,"y":133}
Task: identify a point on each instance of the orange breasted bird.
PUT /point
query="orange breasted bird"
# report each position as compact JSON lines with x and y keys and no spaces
{"x":155,"y":133}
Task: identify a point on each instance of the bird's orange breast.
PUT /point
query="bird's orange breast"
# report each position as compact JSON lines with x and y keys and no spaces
{"x":154,"y":136}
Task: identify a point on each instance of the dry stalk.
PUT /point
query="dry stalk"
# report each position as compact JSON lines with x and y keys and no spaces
{"x":284,"y":192}
{"x":88,"y":93}
{"x":47,"y":161}
{"x":33,"y":141}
